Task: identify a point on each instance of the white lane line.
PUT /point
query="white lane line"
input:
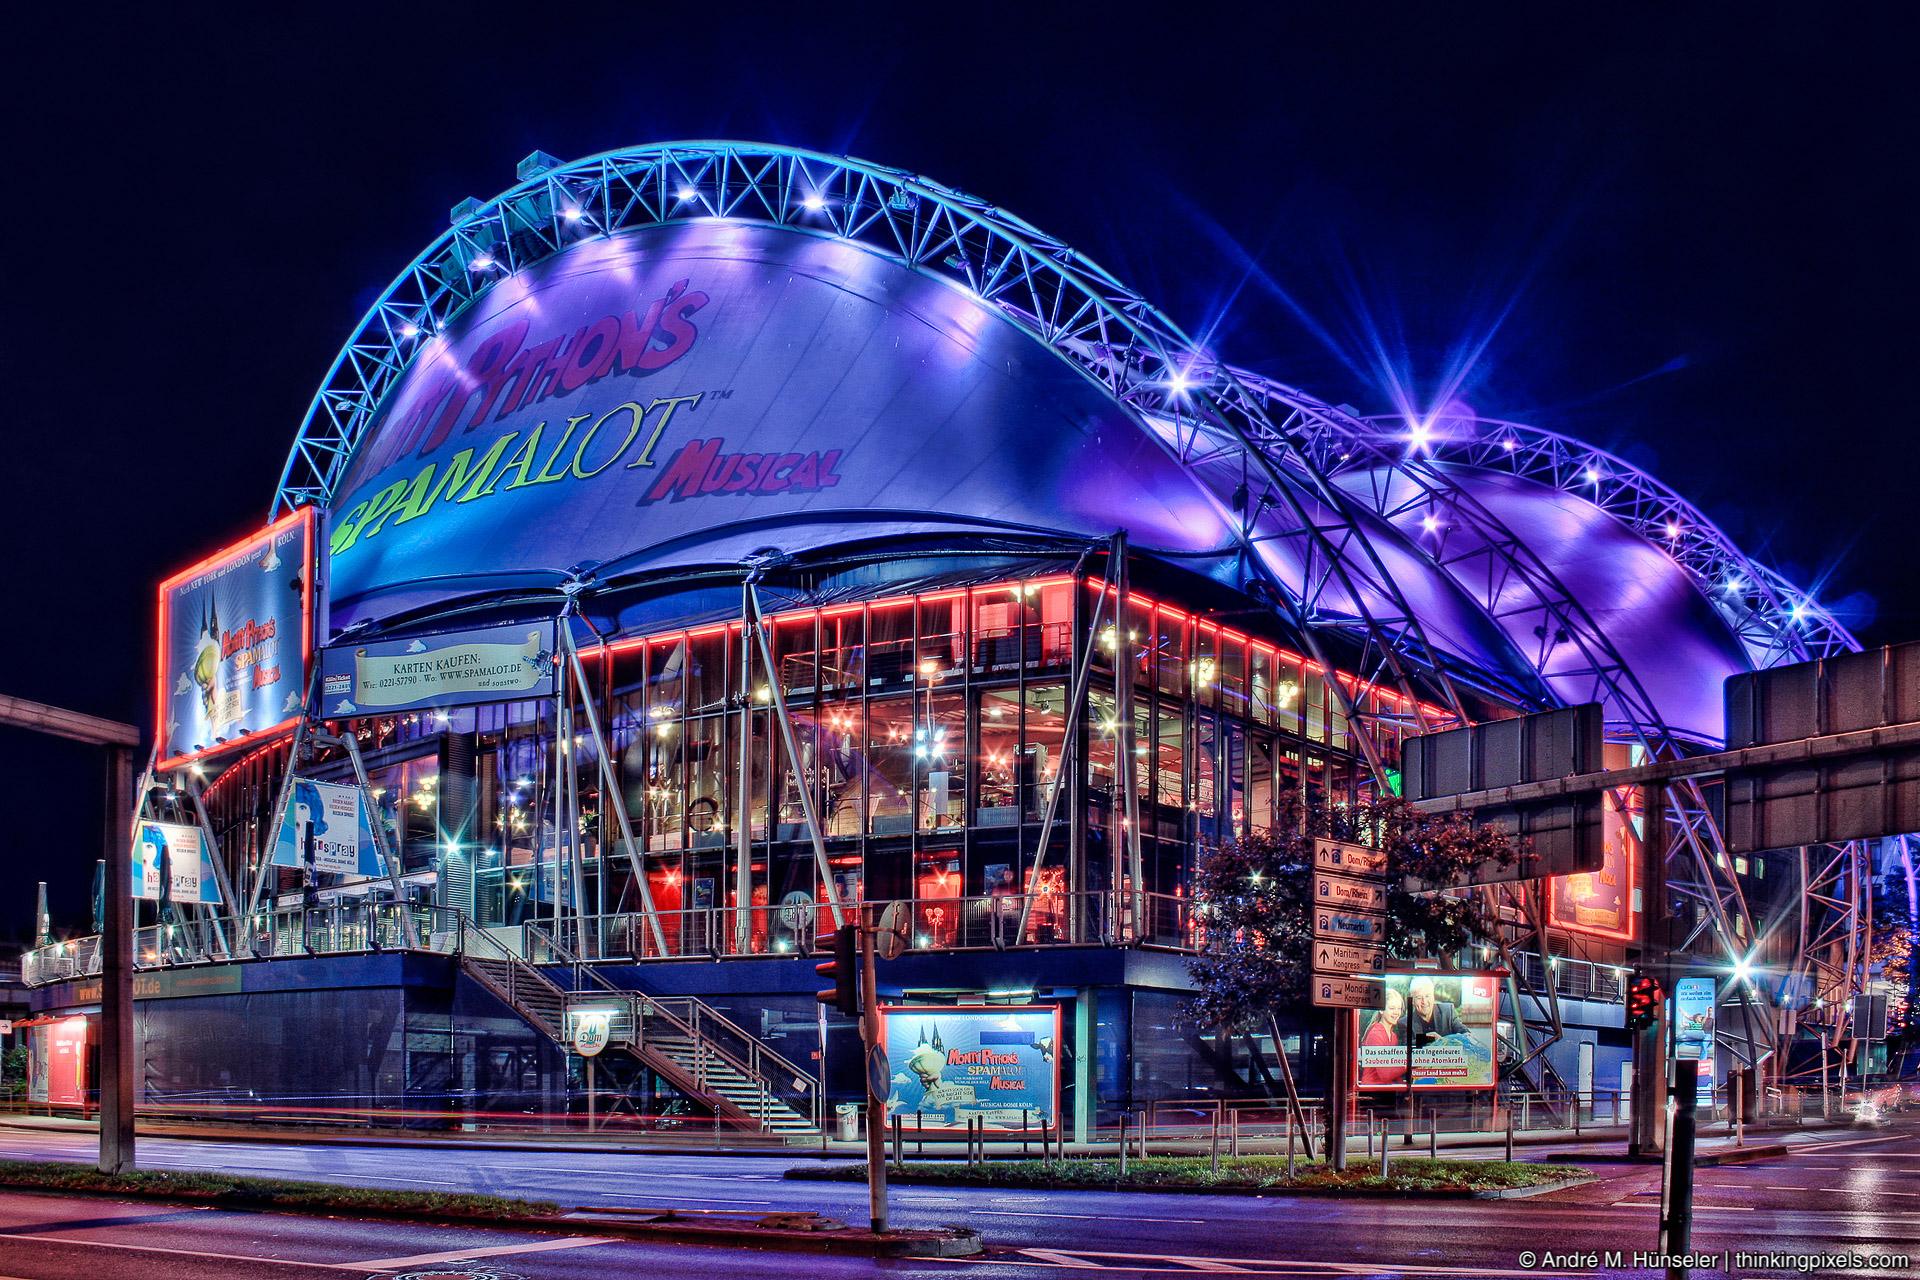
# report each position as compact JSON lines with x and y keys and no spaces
{"x":151,"y":1248}
{"x":615,"y":1195}
{"x":465,"y":1255}
{"x":1079,"y":1259}
{"x":1090,"y":1217}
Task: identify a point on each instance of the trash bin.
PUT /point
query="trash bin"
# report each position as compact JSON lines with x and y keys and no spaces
{"x":847,"y":1122}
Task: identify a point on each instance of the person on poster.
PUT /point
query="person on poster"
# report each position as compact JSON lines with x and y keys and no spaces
{"x":1387,"y":1030}
{"x":1432,"y":1018}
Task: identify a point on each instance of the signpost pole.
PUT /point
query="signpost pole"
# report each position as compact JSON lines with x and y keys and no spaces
{"x":1676,"y":1200}
{"x":876,"y":1088}
{"x":1339,"y":1095}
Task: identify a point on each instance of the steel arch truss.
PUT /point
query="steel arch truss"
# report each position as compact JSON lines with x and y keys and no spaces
{"x":1086,"y":315}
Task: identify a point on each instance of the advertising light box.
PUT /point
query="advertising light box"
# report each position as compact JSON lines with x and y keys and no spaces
{"x":342,"y":838}
{"x":177,"y":855}
{"x":1449,"y":1019}
{"x":235,"y":638}
{"x":491,"y":665}
{"x":954,"y":1063}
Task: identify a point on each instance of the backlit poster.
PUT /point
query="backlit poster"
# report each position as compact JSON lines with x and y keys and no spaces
{"x":182,"y":855}
{"x":1601,"y":902}
{"x":1448,"y":1017}
{"x":490,"y":665}
{"x":1695,"y":1002}
{"x":955,"y":1063}
{"x":342,"y":838}
{"x":235,"y":639}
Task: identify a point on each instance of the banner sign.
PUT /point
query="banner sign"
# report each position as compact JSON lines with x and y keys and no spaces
{"x":955,"y":1063}
{"x":1449,"y":1018}
{"x":179,"y":853}
{"x":342,"y":837}
{"x":497,"y":664}
{"x":1695,"y":1002}
{"x":235,"y":639}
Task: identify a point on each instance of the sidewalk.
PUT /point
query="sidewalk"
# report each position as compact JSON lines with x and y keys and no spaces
{"x":1606,"y":1143}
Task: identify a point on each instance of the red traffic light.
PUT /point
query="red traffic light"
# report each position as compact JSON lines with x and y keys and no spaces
{"x":1645,"y":995}
{"x":843,"y":971}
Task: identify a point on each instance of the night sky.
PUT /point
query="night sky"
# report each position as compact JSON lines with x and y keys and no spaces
{"x":1686,"y":236}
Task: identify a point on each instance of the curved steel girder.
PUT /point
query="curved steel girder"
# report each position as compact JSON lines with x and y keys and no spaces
{"x":1112,"y":335}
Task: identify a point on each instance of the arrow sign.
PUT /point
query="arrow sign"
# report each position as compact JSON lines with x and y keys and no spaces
{"x":1345,"y":958}
{"x":1349,"y":993}
{"x":879,"y":1074}
{"x":1349,"y":859}
{"x":1348,"y":893}
{"x":1368,"y":928}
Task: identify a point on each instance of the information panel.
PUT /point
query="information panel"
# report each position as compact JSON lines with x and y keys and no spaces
{"x":492,"y":665}
{"x":955,"y":1063}
{"x":1449,"y":1018}
{"x":236,"y":635}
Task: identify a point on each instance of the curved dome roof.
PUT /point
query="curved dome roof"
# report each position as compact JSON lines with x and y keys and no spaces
{"x":685,"y":356}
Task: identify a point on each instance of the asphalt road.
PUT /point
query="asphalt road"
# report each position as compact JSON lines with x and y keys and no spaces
{"x":1854,"y":1194}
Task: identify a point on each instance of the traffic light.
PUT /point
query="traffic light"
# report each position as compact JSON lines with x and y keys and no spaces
{"x":1645,"y":995}
{"x":844,"y":971}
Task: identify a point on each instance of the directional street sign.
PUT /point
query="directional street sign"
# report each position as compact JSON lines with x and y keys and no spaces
{"x":1345,"y":958}
{"x":1349,"y":859}
{"x":1349,"y":993}
{"x":1369,"y":928}
{"x":1347,"y":893}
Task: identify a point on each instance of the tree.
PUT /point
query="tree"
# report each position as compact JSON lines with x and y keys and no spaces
{"x":1254,"y":900}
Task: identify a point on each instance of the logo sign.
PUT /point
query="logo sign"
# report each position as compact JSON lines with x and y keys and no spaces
{"x":1366,"y":928}
{"x":235,"y":638}
{"x":592,"y":1028}
{"x":1348,"y":894}
{"x":1345,"y":958}
{"x":342,"y":838}
{"x":180,"y":854}
{"x":1695,"y":1001}
{"x":1348,"y":859}
{"x":489,"y":665}
{"x":1348,"y":993}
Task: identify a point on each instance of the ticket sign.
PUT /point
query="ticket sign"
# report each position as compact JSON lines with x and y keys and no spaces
{"x":1348,"y":859}
{"x":1366,"y":928}
{"x":1338,"y":958}
{"x":1330,"y":992}
{"x":1347,"y":893}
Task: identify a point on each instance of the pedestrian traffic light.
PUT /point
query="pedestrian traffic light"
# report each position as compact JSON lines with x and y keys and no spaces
{"x":844,"y":971}
{"x":1645,"y":995}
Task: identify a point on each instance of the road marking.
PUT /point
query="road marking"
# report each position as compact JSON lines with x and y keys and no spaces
{"x":615,"y":1195}
{"x":183,"y":1253}
{"x":465,"y":1255}
{"x":1090,"y":1217}
{"x":1085,"y":1260}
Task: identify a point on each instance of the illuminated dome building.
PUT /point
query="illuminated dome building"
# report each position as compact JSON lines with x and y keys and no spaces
{"x":661,"y":390}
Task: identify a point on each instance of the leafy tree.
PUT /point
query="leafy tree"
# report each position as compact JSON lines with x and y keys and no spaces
{"x":1254,"y":899}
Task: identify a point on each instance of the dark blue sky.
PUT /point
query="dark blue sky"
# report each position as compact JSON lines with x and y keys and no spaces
{"x":1686,"y":236}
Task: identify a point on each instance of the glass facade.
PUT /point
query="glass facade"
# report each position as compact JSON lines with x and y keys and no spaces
{"x":929,"y":733}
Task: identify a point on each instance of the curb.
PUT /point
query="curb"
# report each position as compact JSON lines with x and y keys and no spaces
{"x":1740,"y":1155}
{"x":949,"y":1242}
{"x":1346,"y":1193}
{"x":374,"y":1138}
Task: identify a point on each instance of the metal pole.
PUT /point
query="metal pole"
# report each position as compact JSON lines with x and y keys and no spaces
{"x":808,"y":809}
{"x":1509,"y":1135}
{"x":1739,"y":1109}
{"x":589,"y":1095}
{"x":1433,"y":1134}
{"x":1386,"y":1149}
{"x":1290,"y":1146}
{"x":743,"y":814}
{"x":1337,"y":1096}
{"x":610,"y":788}
{"x":1676,"y":1185}
{"x":388,"y":856}
{"x":1123,"y":1144}
{"x":1123,"y":680}
{"x":1213,"y":1142}
{"x":876,"y":1054}
{"x":116,"y":972}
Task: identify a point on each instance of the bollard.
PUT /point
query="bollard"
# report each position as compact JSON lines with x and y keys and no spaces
{"x":1123,"y":1144}
{"x":1739,"y":1109}
{"x":899,"y":1161}
{"x":1233,"y":1118}
{"x":1046,"y":1149}
{"x":1023,"y":1133}
{"x":1433,"y":1134}
{"x":1213,"y":1145}
{"x":919,"y":1136}
{"x":1289,"y":1146}
{"x":1370,"y":1134}
{"x":1509,"y":1135}
{"x":1386,"y":1148}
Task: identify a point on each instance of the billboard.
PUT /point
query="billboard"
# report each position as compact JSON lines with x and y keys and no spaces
{"x":177,"y":856}
{"x":692,"y":393}
{"x":337,"y":819}
{"x":1695,"y":1003}
{"x":235,"y":636}
{"x":491,"y":665}
{"x":955,"y":1063}
{"x":1600,"y":902}
{"x":1437,"y":1025}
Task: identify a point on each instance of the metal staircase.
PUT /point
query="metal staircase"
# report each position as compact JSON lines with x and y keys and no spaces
{"x":692,"y":1045}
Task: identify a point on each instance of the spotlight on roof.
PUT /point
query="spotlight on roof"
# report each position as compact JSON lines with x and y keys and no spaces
{"x":685,"y":193}
{"x":571,"y":213}
{"x":1593,"y":477}
{"x":409,"y":330}
{"x":812,"y":200}
{"x":482,"y":263}
{"x":1673,"y":528}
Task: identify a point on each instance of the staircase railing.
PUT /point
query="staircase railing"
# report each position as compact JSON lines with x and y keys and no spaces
{"x":520,"y":979}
